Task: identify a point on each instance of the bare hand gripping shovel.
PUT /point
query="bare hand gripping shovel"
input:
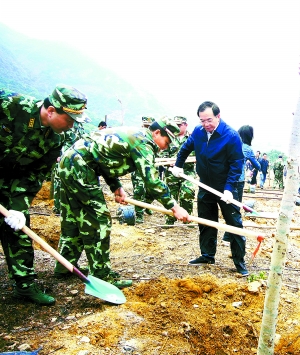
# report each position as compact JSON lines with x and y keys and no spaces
{"x":251,"y":212}
{"x":93,"y":285}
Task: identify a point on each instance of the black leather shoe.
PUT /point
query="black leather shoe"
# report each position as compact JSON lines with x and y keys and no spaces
{"x":202,"y":260}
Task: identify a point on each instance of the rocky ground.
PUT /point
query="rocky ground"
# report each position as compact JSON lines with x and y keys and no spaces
{"x":172,"y":308}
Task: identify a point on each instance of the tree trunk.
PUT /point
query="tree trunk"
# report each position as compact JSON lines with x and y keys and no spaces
{"x":270,"y":313}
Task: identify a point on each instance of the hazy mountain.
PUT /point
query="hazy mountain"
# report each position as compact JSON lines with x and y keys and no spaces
{"x":34,"y":67}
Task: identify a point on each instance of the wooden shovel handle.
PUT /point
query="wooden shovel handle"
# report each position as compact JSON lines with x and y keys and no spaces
{"x":216,"y":192}
{"x":49,"y":249}
{"x":172,"y":161}
{"x":207,"y":222}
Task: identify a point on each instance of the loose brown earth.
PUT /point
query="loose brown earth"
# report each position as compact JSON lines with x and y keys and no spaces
{"x":172,"y":308}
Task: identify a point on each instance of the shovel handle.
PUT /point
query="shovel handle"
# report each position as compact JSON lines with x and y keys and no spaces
{"x":172,"y":161}
{"x":49,"y":249}
{"x":207,"y":222}
{"x":216,"y":192}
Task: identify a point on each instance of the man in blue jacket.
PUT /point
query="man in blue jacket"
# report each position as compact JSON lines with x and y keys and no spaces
{"x":219,"y":156}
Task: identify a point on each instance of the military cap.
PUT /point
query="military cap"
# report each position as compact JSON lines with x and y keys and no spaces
{"x":170,"y":126}
{"x":180,"y":119}
{"x":147,"y":121}
{"x":70,"y":100}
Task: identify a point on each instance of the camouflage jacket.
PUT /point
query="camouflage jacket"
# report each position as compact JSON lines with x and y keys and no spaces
{"x":115,"y":152}
{"x":278,"y":167}
{"x":28,"y":149}
{"x":72,"y":135}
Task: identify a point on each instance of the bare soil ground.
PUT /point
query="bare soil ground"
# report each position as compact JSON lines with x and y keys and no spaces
{"x":172,"y":308}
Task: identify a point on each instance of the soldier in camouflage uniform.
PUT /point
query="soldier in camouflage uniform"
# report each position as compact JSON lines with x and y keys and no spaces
{"x":71,"y":137}
{"x":139,"y":191}
{"x":182,"y":190}
{"x":110,"y":153}
{"x":278,"y":173}
{"x":31,"y":138}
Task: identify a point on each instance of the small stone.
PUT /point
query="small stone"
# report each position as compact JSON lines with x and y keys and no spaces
{"x":150,"y":230}
{"x":277,"y":338}
{"x":65,"y":327}
{"x":237,"y":304}
{"x":74,"y":292}
{"x":83,"y":352}
{"x":254,"y":286}
{"x":84,"y":339}
{"x":24,"y":347}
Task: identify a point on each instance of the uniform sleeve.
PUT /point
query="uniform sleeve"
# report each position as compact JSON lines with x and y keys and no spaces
{"x":113,"y":182}
{"x":235,"y":160}
{"x":144,"y":157}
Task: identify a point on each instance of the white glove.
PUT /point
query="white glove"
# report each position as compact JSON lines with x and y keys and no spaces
{"x":176,"y":171}
{"x":228,"y":197}
{"x":16,"y":220}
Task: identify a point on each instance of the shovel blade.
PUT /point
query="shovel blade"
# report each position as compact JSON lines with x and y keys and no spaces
{"x":271,"y":215}
{"x":104,"y":290}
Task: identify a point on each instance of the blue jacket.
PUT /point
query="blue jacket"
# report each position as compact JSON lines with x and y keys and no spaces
{"x":249,"y":155}
{"x":219,"y":160}
{"x":264,"y":165}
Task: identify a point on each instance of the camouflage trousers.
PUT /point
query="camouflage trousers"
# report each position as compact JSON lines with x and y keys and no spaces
{"x":17,"y":194}
{"x":85,"y":218}
{"x":139,"y":192}
{"x":182,"y":190}
{"x":278,"y":180}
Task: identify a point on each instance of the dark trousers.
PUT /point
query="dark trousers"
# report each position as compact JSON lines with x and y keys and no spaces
{"x":208,"y":209}
{"x":240,"y":192}
{"x":254,"y":177}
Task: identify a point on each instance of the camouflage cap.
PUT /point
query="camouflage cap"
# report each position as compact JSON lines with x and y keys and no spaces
{"x":70,"y":100}
{"x":180,"y":119}
{"x":147,"y":121}
{"x":169,"y":125}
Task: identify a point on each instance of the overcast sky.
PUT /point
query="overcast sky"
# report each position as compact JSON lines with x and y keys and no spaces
{"x":243,"y":55}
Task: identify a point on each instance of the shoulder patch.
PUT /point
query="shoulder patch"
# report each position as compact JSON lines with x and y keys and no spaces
{"x":31,"y":122}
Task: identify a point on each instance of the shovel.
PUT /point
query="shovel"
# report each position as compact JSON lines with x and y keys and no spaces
{"x":93,"y":285}
{"x":251,"y":211}
{"x":207,"y":222}
{"x":170,"y":161}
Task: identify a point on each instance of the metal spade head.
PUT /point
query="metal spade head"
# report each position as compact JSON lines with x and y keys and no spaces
{"x":104,"y":290}
{"x":270,"y":215}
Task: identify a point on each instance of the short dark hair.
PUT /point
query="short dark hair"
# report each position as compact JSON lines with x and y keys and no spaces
{"x":246,"y":134}
{"x":102,"y":124}
{"x":154,"y":126}
{"x":47,"y":103}
{"x":205,"y":105}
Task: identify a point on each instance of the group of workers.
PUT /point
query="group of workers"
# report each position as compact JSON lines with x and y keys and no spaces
{"x":32,"y":135}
